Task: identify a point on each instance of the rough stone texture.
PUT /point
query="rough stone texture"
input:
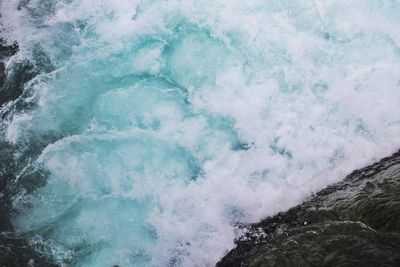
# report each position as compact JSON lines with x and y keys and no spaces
{"x":355,"y":222}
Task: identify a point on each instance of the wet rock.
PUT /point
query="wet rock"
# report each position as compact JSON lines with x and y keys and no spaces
{"x":355,"y":222}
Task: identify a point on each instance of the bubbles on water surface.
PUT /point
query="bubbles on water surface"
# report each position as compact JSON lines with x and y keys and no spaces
{"x":163,"y":124}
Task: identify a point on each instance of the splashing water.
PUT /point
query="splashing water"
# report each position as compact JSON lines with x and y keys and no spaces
{"x":153,"y":128}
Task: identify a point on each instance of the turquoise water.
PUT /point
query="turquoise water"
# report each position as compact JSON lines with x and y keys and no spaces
{"x":161,"y":125}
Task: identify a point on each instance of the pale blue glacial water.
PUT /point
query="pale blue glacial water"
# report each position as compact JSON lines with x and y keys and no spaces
{"x":167,"y":123}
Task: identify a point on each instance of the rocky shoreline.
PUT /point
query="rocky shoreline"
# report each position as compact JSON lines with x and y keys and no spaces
{"x":355,"y":222}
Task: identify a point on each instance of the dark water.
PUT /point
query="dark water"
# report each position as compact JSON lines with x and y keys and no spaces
{"x":15,"y":250}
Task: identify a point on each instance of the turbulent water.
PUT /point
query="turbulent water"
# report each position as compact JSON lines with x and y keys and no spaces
{"x":147,"y":130}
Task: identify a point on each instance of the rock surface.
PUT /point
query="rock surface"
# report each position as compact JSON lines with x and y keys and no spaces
{"x":355,"y":222}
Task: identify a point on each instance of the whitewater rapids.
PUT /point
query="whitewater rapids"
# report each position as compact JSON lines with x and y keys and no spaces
{"x":153,"y":128}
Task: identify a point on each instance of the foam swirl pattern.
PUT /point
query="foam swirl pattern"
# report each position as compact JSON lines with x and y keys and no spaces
{"x":147,"y":130}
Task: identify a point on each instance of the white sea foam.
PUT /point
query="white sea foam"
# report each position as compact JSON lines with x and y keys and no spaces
{"x":178,"y":119}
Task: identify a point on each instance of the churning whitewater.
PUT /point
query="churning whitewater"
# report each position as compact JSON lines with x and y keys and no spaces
{"x":151,"y":129}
